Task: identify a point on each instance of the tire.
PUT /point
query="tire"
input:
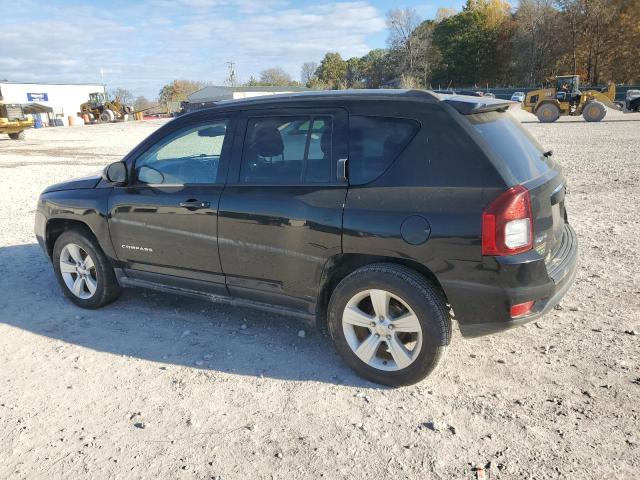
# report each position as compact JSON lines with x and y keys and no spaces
{"x":105,"y":286}
{"x":17,"y":136}
{"x":107,"y":116}
{"x":412,"y":297}
{"x":594,"y":111}
{"x":548,"y":113}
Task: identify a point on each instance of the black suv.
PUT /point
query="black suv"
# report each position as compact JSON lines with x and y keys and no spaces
{"x":376,"y":214}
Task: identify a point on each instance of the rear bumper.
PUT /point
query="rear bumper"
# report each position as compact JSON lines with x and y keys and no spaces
{"x":484,"y":308}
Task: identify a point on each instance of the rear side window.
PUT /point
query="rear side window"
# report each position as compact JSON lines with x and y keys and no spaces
{"x":517,"y":150}
{"x":374,"y":143}
{"x":288,"y":150}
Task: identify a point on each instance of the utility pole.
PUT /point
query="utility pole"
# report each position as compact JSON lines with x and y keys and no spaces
{"x":231,"y":79}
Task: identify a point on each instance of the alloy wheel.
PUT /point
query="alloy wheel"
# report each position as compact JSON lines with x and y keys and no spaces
{"x":382,"y":330}
{"x":78,"y":271}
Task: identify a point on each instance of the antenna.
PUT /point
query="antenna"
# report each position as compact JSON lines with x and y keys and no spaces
{"x":231,"y":79}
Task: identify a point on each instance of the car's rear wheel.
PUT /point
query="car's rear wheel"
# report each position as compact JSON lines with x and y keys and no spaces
{"x":389,"y":324}
{"x":82,"y":270}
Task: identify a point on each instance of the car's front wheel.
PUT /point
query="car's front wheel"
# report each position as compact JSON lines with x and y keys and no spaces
{"x":389,"y":323}
{"x":82,"y":270}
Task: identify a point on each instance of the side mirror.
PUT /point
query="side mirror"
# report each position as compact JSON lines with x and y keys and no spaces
{"x":116,"y":173}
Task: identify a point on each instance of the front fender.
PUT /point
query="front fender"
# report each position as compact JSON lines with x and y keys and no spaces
{"x":86,"y":206}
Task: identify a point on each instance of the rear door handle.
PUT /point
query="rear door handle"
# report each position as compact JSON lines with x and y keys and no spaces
{"x":194,"y":204}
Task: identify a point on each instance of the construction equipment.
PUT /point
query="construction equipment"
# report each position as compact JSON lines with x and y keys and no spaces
{"x":100,"y":109}
{"x":13,"y":120}
{"x":565,"y":98}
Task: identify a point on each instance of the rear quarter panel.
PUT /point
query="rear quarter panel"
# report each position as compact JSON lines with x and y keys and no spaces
{"x":442,"y":176}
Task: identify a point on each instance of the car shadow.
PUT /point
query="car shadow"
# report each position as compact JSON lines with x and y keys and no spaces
{"x":165,"y":328}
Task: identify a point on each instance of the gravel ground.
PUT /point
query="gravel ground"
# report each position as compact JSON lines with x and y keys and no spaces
{"x":157,"y":386}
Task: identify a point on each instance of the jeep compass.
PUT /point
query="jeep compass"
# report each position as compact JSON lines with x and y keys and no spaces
{"x":380,"y":215}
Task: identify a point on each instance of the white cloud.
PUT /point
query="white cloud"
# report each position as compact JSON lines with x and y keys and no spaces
{"x":144,"y":46}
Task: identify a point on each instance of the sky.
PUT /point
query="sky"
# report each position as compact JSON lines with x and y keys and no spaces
{"x":143,"y":45}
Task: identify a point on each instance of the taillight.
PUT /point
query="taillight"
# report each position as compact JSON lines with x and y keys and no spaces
{"x":507,"y":224}
{"x":521,"y":309}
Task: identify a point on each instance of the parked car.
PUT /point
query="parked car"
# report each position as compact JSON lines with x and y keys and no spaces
{"x":471,"y":93}
{"x":372,"y":214}
{"x":518,"y":97}
{"x":632,"y":100}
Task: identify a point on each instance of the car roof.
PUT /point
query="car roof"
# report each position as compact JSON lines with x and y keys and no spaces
{"x":331,"y":95}
{"x":462,"y":103}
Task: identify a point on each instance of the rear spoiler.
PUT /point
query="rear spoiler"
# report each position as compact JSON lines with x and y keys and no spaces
{"x":467,"y":105}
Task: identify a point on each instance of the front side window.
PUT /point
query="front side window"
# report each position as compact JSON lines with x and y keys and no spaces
{"x":374,"y":143}
{"x":188,"y":156}
{"x":287,"y":150}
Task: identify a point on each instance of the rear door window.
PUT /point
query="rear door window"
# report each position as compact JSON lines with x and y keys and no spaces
{"x":517,"y":150}
{"x":288,"y":150}
{"x":374,"y":143}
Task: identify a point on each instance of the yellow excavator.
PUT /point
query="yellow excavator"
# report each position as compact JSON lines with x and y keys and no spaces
{"x":566,"y":98}
{"x":13,"y":120}
{"x":100,"y":109}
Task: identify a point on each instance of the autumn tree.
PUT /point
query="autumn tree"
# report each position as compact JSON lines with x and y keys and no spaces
{"x":426,"y":55}
{"x":602,"y":37}
{"x":179,"y":90}
{"x":492,"y":43}
{"x":377,"y":68}
{"x":125,"y":96}
{"x":308,"y":73}
{"x":469,"y":44}
{"x":332,"y":71}
{"x":354,"y":76}
{"x":403,"y":44}
{"x":275,"y":76}
{"x":142,"y":103}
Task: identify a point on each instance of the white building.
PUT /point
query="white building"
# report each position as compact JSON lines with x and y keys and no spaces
{"x":63,"y":99}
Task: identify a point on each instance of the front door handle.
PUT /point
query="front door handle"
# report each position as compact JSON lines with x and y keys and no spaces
{"x":341,"y":173}
{"x":194,"y":204}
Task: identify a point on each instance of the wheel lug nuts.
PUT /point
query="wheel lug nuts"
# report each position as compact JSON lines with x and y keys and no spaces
{"x":377,"y":335}
{"x":388,"y":337}
{"x":372,"y":324}
{"x":390,"y":327}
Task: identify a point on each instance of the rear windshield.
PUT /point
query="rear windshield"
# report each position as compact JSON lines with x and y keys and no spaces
{"x":521,"y":155}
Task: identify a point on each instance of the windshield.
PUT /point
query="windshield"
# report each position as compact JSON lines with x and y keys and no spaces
{"x":520,"y":154}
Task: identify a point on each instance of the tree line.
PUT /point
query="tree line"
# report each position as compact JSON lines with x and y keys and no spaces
{"x":489,"y":43}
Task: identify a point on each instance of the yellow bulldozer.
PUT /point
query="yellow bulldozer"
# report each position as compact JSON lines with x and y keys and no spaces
{"x":13,"y":120}
{"x":100,"y":109}
{"x":566,"y":98}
